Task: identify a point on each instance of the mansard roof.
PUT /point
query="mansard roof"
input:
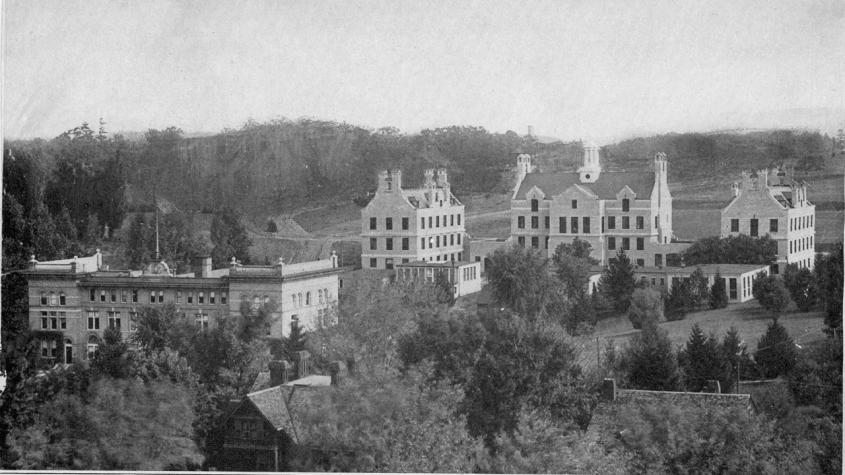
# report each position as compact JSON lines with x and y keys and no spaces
{"x":606,"y":187}
{"x":420,"y":197}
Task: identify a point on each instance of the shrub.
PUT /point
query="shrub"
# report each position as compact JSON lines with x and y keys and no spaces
{"x":646,"y":305}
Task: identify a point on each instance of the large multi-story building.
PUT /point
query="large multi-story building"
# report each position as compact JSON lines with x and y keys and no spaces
{"x":72,"y":301}
{"x":769,"y":202}
{"x":404,"y":225}
{"x":631,"y":211}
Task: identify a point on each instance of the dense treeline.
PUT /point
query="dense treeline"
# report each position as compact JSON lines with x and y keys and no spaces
{"x":719,"y":154}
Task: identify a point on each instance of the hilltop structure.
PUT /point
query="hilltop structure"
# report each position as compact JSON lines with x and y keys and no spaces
{"x":772,"y":202}
{"x":631,"y":211}
{"x":72,"y":301}
{"x":403,"y":225}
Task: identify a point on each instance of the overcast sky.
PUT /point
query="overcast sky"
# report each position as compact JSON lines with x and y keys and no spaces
{"x":572,"y":69}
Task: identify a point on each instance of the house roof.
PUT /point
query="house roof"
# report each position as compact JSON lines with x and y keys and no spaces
{"x":606,"y":187}
{"x":287,"y":407}
{"x":419,"y":197}
{"x":706,"y":269}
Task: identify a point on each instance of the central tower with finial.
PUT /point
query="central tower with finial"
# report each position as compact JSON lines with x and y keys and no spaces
{"x":591,"y":169}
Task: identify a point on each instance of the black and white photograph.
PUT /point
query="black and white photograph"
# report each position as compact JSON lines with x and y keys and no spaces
{"x":396,"y":236}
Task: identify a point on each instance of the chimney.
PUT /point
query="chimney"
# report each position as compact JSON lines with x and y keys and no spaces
{"x":33,"y":262}
{"x":334,"y":259}
{"x":429,"y":178}
{"x":302,"y":363}
{"x":396,"y":178}
{"x":201,"y":266}
{"x":279,"y":372}
{"x":608,"y":390}
{"x":337,"y":370}
{"x":735,"y":187}
{"x":713,"y":386}
{"x":385,"y":181}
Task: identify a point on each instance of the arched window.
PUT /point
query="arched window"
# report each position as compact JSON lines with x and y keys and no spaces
{"x":299,"y":298}
{"x":43,"y":298}
{"x":293,"y":300}
{"x":320,"y":296}
{"x":62,"y":299}
{"x":53,"y":300}
{"x":93,"y":345}
{"x":307,"y":298}
{"x":68,"y":351}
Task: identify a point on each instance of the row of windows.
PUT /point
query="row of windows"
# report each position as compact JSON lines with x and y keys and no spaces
{"x":323,"y":297}
{"x":747,"y":286}
{"x":535,"y":204}
{"x":753,"y":225}
{"x":802,"y":244}
{"x":801,"y":222}
{"x":112,"y":317}
{"x":626,"y":222}
{"x":470,"y":273}
{"x":535,"y":242}
{"x":388,"y":262}
{"x":53,"y":320}
{"x":433,"y":222}
{"x":53,"y":299}
{"x":156,"y":296}
{"x":626,"y":243}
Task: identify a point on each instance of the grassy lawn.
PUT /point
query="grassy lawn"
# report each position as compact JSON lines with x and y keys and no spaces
{"x":749,"y":318}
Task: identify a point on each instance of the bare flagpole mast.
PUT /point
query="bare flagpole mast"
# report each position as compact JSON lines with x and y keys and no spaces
{"x":155,"y":204}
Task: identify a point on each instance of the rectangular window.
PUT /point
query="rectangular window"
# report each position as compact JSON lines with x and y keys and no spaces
{"x":547,"y":242}
{"x":123,"y":296}
{"x":640,"y":263}
{"x":202,"y":321}
{"x":535,"y":205}
{"x":574,"y":204}
{"x":405,"y":224}
{"x":113,"y":295}
{"x":611,"y":243}
{"x":178,"y":296}
{"x":626,"y":222}
{"x":451,"y":239}
{"x":404,"y":244}
{"x":63,"y":320}
{"x":658,"y":260}
{"x":191,"y":297}
{"x":626,"y":244}
{"x":521,"y":241}
{"x":422,"y":223}
{"x":773,"y":225}
{"x":422,"y":243}
{"x":732,"y":287}
{"x":459,"y":219}
{"x":373,"y":223}
{"x":561,"y":224}
{"x":92,"y":296}
{"x":437,"y":221}
{"x":734,"y":225}
{"x":437,"y":241}
{"x":753,"y":227}
{"x":134,"y":296}
{"x":63,"y":301}
{"x":656,"y":222}
{"x":640,"y":222}
{"x":373,"y":262}
{"x":626,"y":204}
{"x":535,"y":222}
{"x":611,"y":222}
{"x":223,"y":297}
{"x":152,"y":296}
{"x":388,"y":244}
{"x":93,"y":321}
{"x":520,"y":222}
{"x":430,"y":221}
{"x":573,"y":225}
{"x":388,"y":223}
{"x":546,"y":222}
{"x":459,"y":240}
{"x":201,"y":298}
{"x":44,"y":321}
{"x":451,"y":220}
{"x":535,"y":242}
{"x":586,"y":225}
{"x":102,"y":296}
{"x":373,"y":244}
{"x":211,"y":297}
{"x":640,"y":244}
{"x":160,"y":296}
{"x":114,"y":320}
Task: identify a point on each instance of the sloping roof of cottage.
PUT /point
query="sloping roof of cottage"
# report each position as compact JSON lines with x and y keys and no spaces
{"x":606,"y":187}
{"x":286,"y":407}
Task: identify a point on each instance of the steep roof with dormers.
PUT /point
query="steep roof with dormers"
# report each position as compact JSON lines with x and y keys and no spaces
{"x":606,"y":187}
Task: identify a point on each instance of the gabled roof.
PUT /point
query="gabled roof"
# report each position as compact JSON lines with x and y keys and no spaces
{"x":606,"y":187}
{"x":419,"y":197}
{"x":287,"y":407}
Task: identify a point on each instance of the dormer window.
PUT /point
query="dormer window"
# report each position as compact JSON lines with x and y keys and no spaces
{"x":574,"y":204}
{"x":535,"y":204}
{"x":626,"y":204}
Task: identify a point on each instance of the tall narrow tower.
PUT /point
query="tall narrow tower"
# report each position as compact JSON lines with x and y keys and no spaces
{"x":591,"y":169}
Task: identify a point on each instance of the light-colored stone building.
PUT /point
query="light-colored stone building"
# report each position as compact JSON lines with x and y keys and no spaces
{"x":770,"y":202}
{"x":631,"y":211}
{"x":72,"y":301}
{"x":403,"y":225}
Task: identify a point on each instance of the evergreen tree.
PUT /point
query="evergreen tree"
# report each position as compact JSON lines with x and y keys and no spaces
{"x":678,"y":302}
{"x":829,"y":276}
{"x":775,"y":353}
{"x":699,"y":291}
{"x":229,"y":238}
{"x":295,"y":342}
{"x":718,"y":293}
{"x":702,"y":360}
{"x":649,"y":360}
{"x":802,"y":287}
{"x":46,"y":241}
{"x":137,"y":252}
{"x":111,"y":357}
{"x":617,"y":282}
